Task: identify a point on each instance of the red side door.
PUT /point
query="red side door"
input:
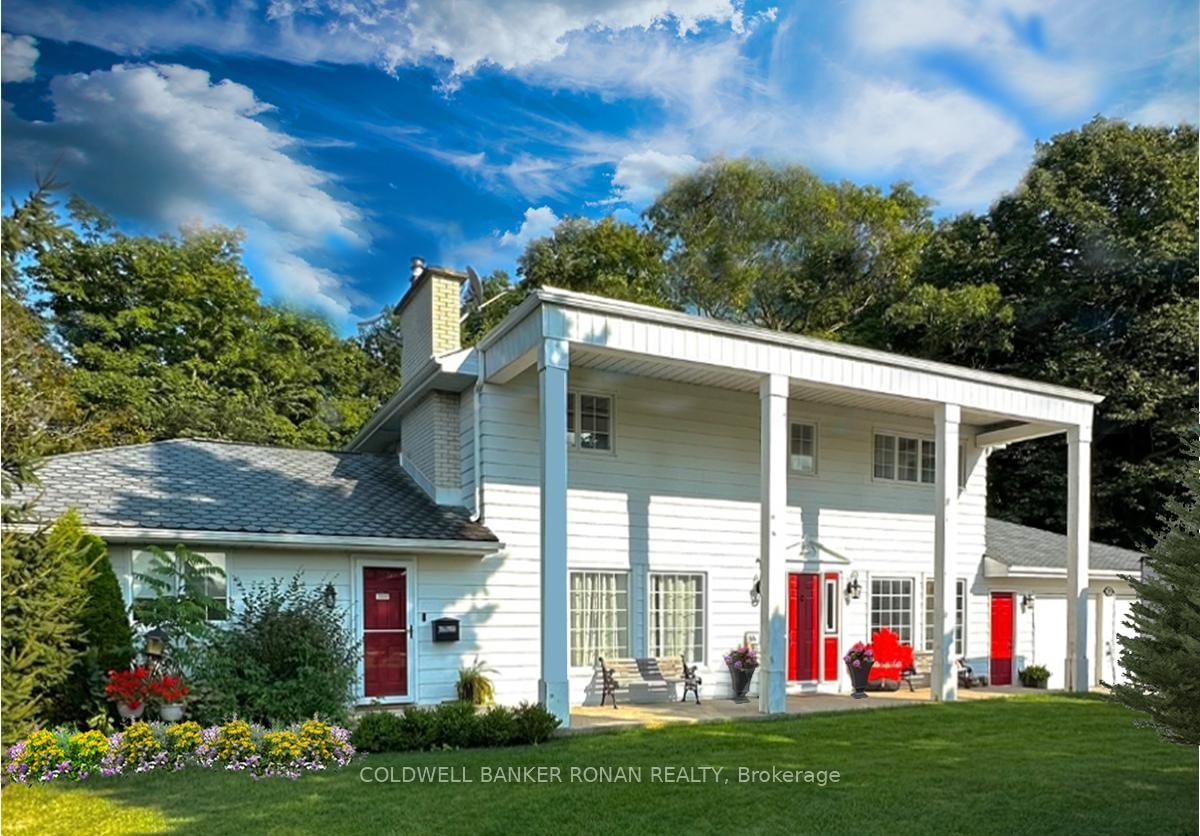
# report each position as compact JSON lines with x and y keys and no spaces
{"x":385,"y":632}
{"x":803,"y":613}
{"x":1002,"y":638}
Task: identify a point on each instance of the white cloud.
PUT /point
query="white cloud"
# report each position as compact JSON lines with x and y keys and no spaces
{"x":165,"y":145}
{"x":537,"y":223}
{"x":1166,"y":109}
{"x":19,"y":54}
{"x":642,"y":175}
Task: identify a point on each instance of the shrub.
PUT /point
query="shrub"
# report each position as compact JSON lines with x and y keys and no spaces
{"x":497,"y":727}
{"x":144,"y":747}
{"x":1034,"y":675}
{"x":286,"y":657}
{"x":105,"y":640}
{"x":455,"y":725}
{"x":534,"y":724}
{"x":378,"y":731}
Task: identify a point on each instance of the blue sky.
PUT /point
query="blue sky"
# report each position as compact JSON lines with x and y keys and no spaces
{"x":346,"y":135}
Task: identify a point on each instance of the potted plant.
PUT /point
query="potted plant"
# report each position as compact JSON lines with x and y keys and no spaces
{"x":742,"y":662}
{"x":129,"y":690}
{"x":1034,"y":676}
{"x":168,"y":693}
{"x":859,"y":660}
{"x":473,"y":684}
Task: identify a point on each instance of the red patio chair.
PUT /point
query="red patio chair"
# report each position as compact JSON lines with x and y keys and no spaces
{"x":891,"y":660}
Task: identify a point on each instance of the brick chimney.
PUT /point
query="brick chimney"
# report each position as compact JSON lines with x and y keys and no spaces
{"x":429,"y":314}
{"x":429,"y":324}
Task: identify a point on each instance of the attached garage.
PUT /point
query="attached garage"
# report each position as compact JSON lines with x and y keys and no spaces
{"x":1025,"y":571}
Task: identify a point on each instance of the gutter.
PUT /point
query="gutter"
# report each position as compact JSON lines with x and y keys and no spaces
{"x":477,"y":436}
{"x":392,"y":545}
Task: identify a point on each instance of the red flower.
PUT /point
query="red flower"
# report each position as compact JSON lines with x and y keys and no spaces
{"x":169,"y":690}
{"x":129,"y":687}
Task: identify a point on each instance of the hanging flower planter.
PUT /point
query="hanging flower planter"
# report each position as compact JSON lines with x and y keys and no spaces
{"x":859,"y":660}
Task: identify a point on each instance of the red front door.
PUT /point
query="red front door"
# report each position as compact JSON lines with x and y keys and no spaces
{"x":1002,"y":638}
{"x":803,"y":614}
{"x":385,"y":632}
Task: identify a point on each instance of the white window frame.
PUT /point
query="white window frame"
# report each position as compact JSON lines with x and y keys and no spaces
{"x":628,"y":650}
{"x":921,"y":439}
{"x":650,"y":649}
{"x":574,"y":425}
{"x":912,"y":614}
{"x":960,"y":625}
{"x":816,"y":453}
{"x":211,"y":557}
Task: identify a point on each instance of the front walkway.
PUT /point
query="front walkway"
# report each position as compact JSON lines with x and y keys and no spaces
{"x":652,"y":715}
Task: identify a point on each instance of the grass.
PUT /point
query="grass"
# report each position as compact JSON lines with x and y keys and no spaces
{"x":1040,"y":764}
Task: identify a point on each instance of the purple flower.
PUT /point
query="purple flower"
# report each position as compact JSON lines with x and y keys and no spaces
{"x":856,"y":663}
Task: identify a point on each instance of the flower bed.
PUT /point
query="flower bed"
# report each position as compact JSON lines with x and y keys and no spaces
{"x":311,"y":746}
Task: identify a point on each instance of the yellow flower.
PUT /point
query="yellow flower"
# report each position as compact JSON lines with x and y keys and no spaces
{"x":89,"y":746}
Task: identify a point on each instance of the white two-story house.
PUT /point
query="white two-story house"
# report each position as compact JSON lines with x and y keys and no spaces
{"x":600,"y":478}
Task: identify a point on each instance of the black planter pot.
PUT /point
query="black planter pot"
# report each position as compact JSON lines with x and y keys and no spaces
{"x":741,"y":681}
{"x":859,"y":677}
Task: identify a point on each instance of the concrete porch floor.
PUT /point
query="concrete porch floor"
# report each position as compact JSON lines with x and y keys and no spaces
{"x":653,"y":715}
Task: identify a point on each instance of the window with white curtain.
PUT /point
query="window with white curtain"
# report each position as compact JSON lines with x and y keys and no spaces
{"x":892,"y":607}
{"x":960,"y":606}
{"x":599,"y":616}
{"x":802,"y":450}
{"x":677,"y":616}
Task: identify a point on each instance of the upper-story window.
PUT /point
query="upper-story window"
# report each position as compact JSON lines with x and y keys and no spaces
{"x":904,"y":458}
{"x":589,"y":421}
{"x":802,"y":449}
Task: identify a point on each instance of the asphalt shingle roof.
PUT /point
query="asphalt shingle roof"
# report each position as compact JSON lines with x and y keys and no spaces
{"x":1020,"y":545}
{"x":230,"y":487}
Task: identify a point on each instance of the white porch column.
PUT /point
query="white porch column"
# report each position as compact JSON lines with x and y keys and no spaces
{"x":553,"y":686}
{"x":944,"y":679}
{"x":1079,"y":490}
{"x":772,"y":673}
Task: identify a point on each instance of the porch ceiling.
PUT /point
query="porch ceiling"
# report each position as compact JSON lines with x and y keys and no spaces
{"x":619,"y":362}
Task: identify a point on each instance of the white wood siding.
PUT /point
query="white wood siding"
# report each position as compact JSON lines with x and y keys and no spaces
{"x":680,"y":493}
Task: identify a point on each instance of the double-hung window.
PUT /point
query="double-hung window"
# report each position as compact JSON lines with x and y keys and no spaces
{"x":802,"y":448}
{"x":599,"y":616}
{"x":214,"y":583}
{"x":960,"y":606}
{"x":892,"y":607}
{"x":905,"y":458}
{"x":589,"y":421}
{"x":677,"y":615}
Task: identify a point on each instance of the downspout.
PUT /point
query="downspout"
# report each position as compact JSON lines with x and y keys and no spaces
{"x":477,"y":420}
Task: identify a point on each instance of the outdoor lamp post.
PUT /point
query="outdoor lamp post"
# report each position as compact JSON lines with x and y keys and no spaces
{"x":154,"y":643}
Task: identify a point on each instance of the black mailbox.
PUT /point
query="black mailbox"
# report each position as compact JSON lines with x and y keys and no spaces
{"x":445,"y":629}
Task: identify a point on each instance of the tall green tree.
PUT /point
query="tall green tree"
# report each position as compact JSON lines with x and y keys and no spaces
{"x":1096,"y":252}
{"x":779,"y":247}
{"x":1162,"y":655}
{"x":44,"y":577}
{"x":166,"y":337}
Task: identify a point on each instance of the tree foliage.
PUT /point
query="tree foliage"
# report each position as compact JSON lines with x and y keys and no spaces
{"x":1096,"y":253}
{"x":779,"y":247}
{"x":1162,"y":655}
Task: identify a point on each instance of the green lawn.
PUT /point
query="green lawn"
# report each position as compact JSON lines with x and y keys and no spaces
{"x":1025,"y":765}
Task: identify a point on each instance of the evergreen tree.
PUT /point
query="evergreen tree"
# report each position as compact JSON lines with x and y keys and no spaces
{"x":105,"y":639}
{"x":1162,"y":657}
{"x":44,"y":578}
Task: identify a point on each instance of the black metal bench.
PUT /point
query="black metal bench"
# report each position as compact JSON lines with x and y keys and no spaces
{"x":620,"y":673}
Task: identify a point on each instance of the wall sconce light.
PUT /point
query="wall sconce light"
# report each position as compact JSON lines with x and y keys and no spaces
{"x":756,"y":586}
{"x":1027,"y":601}
{"x":853,"y":588}
{"x":329,"y":596}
